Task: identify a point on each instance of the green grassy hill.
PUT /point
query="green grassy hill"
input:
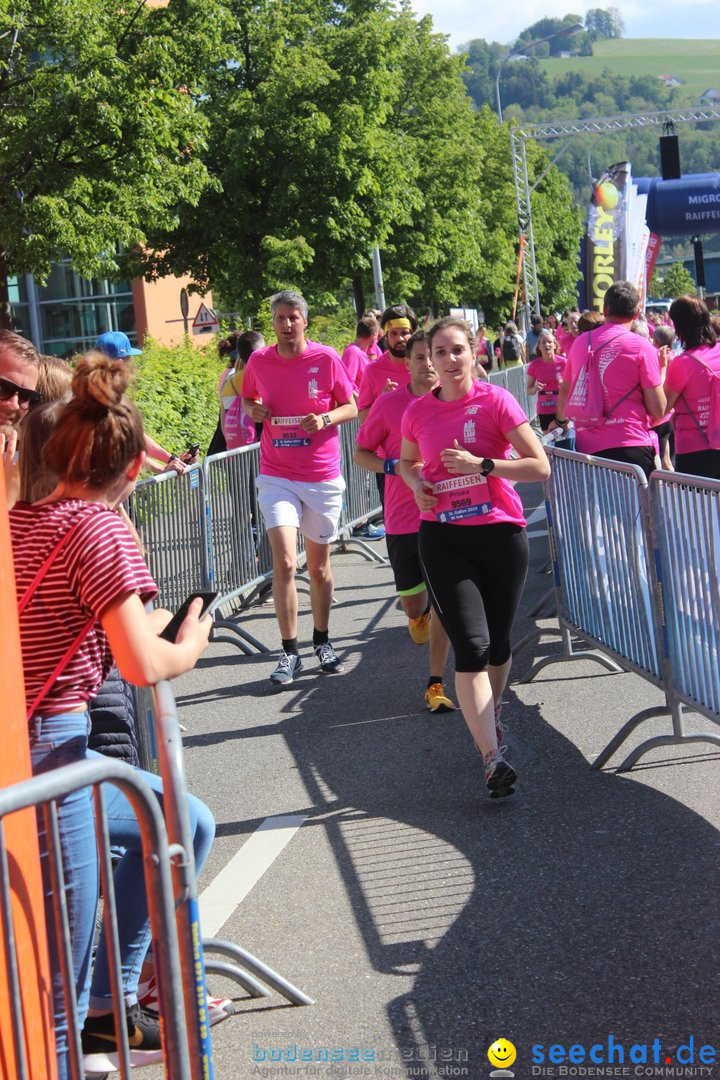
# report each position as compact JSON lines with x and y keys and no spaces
{"x":695,"y":62}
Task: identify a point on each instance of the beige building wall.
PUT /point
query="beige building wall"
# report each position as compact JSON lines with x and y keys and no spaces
{"x":157,"y":310}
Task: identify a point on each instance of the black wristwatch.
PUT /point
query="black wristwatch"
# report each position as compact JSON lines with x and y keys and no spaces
{"x":486,"y":466}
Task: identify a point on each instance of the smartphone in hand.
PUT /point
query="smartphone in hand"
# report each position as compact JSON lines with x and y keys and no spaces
{"x":170,"y":632}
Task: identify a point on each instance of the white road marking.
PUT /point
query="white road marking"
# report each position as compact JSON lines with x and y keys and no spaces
{"x":230,"y":887}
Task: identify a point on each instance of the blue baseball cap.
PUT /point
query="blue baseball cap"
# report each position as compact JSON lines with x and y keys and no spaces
{"x":116,"y":345}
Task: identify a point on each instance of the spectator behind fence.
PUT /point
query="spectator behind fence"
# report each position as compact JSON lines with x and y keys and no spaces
{"x":472,"y":541}
{"x":91,"y":607}
{"x":18,"y":392}
{"x":299,"y":391}
{"x":512,"y":346}
{"x":693,"y":388}
{"x":227,"y":348}
{"x":628,"y":370}
{"x":54,"y":377}
{"x":238,"y":428}
{"x":116,"y":346}
{"x":531,"y":338}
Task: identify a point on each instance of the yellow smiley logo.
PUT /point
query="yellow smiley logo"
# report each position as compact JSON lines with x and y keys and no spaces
{"x":502,"y":1054}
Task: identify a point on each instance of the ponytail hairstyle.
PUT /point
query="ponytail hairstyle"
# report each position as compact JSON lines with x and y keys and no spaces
{"x":99,"y":431}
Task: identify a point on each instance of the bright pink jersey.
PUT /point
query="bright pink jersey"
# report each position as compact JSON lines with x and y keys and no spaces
{"x":314,"y":382}
{"x":689,"y":379}
{"x":99,"y":565}
{"x":377,"y":374}
{"x":565,"y":341}
{"x":628,"y":365}
{"x":381,"y":432}
{"x":355,"y":360}
{"x":480,"y":422}
{"x":547,"y":374}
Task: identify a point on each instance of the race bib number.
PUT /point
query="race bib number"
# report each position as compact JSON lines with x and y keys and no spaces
{"x":548,"y":399}
{"x":286,"y":431}
{"x":461,"y":497}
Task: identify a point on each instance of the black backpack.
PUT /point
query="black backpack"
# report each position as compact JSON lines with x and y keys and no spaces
{"x":511,"y":347}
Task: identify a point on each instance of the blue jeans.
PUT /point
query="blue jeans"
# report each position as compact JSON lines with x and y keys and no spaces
{"x":61,"y":740}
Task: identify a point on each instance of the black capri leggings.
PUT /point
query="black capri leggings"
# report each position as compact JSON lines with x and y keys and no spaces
{"x":475,"y":576}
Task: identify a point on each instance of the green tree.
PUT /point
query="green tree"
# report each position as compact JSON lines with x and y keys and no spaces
{"x":333,"y":129}
{"x":677,"y":281}
{"x":100,"y":134}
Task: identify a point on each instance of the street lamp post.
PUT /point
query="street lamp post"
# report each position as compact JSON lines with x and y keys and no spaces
{"x":512,"y":55}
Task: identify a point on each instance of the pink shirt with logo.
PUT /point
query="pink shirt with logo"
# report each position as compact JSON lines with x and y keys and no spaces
{"x":377,"y":374}
{"x":565,"y":340}
{"x":314,"y":382}
{"x":355,"y":361}
{"x":548,"y":375}
{"x":381,"y":432}
{"x":628,"y":365}
{"x":480,"y":422}
{"x":689,"y":378}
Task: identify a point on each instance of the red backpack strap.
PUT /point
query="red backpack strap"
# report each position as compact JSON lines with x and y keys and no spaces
{"x":30,"y":592}
{"x":34,"y":584}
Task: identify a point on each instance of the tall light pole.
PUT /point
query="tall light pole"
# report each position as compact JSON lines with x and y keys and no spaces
{"x":512,"y":55}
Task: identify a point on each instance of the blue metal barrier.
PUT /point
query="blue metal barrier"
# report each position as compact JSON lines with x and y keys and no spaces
{"x":636,"y":577}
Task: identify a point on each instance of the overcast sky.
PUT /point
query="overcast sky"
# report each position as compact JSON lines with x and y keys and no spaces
{"x":467,"y":19}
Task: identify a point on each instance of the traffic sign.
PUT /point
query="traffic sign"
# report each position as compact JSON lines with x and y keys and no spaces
{"x":206,"y":321}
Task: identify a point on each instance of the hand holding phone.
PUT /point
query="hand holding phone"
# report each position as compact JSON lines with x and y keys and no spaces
{"x":170,"y":632}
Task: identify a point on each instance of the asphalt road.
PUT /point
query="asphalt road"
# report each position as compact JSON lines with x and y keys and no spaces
{"x":425,"y":920}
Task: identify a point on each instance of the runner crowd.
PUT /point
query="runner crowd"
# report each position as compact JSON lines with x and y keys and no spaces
{"x":447,"y":448}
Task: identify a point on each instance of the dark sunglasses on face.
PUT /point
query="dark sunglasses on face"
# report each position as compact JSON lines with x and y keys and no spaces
{"x":25,"y":397}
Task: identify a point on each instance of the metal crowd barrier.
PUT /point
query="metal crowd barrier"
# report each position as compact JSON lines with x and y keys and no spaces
{"x":168,"y":512}
{"x":515,"y":381}
{"x":246,"y":969}
{"x":44,"y":791}
{"x":635,"y":577}
{"x":362,"y":499}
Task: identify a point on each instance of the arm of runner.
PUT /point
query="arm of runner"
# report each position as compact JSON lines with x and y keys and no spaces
{"x":314,"y":422}
{"x":563,"y":395}
{"x":531,"y":465}
{"x":410,"y":469}
{"x":256,"y":410}
{"x":655,"y":401}
{"x":143,"y":657}
{"x":366,"y":459}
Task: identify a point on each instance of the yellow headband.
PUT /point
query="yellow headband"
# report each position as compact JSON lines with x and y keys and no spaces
{"x":397,"y":324}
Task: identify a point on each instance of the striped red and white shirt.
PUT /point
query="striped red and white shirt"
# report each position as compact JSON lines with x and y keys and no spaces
{"x":98,"y":566}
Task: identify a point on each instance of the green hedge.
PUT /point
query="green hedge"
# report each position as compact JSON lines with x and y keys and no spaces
{"x":175,"y":389}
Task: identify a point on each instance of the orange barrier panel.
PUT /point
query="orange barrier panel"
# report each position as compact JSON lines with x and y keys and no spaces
{"x":22,"y":847}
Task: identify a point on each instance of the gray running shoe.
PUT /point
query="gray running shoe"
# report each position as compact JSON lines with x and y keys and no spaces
{"x":499,"y":775}
{"x":289,"y":665}
{"x":329,"y":659}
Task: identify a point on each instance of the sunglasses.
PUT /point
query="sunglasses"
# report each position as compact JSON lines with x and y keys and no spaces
{"x":9,"y":389}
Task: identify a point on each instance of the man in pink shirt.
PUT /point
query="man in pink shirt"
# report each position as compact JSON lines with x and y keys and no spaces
{"x":389,"y":372}
{"x":379,"y":442}
{"x":631,"y":379}
{"x":299,"y":391}
{"x":356,"y":356}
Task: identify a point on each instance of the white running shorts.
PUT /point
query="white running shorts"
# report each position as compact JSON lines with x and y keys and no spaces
{"x":313,"y":508}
